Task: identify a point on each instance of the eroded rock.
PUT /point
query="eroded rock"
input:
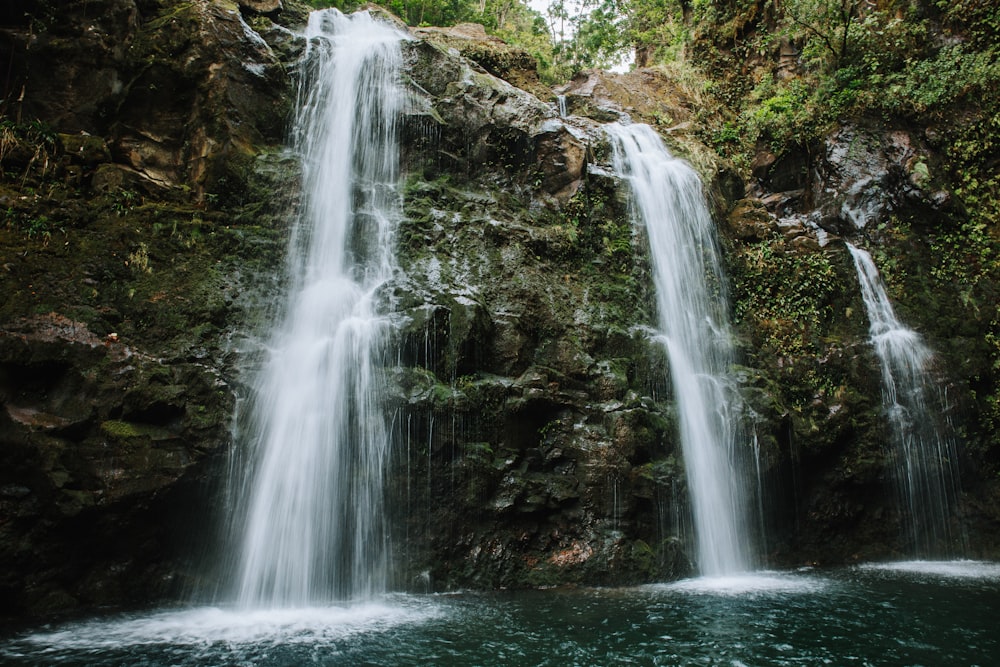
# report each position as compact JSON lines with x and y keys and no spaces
{"x":864,"y":175}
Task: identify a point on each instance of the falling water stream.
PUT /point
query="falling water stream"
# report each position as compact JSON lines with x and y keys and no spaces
{"x":314,"y":529}
{"x":668,"y":202}
{"x":925,"y":460}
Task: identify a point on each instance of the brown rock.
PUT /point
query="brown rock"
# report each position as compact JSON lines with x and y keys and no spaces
{"x":262,"y":6}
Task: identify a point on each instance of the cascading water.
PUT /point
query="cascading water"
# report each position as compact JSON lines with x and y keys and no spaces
{"x":668,"y":200}
{"x":925,"y":456}
{"x":314,"y":528}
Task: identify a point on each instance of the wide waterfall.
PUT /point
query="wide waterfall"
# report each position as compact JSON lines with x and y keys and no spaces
{"x":314,"y":529}
{"x":925,"y":460}
{"x":692,"y":305}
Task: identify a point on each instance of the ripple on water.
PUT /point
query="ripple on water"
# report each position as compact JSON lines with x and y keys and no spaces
{"x":749,"y":584}
{"x":949,"y":569}
{"x":799,"y":619}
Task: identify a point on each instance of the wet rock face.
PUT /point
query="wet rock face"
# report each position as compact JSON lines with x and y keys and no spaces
{"x":67,"y":60}
{"x":262,"y":6}
{"x":182,"y":92}
{"x":797,"y":299}
{"x":523,"y":406}
{"x":534,"y":454}
{"x":94,"y":436}
{"x":475,"y":124}
{"x":860,"y":177}
{"x":136,"y":219}
{"x":500,"y":59}
{"x":865,"y":174}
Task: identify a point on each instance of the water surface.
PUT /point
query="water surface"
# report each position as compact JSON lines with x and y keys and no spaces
{"x":917,"y":613}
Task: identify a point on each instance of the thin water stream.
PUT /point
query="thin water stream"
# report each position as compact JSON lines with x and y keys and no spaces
{"x":669,"y":204}
{"x":925,"y":462}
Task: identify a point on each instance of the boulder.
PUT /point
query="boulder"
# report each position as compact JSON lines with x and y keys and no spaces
{"x":262,"y":6}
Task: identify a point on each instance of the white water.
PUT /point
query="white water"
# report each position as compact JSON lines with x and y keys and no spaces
{"x":944,"y":569}
{"x":925,"y":461}
{"x":750,"y":584}
{"x":694,"y":322}
{"x":314,"y":528}
{"x":208,"y":626}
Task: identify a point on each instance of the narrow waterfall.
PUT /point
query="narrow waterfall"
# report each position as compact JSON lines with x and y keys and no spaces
{"x":314,"y":529}
{"x":925,"y":460}
{"x":692,"y":305}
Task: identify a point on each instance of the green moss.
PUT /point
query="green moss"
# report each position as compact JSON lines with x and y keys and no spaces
{"x":664,"y":471}
{"x":120,"y":429}
{"x":544,"y":575}
{"x":125,"y":430}
{"x":172,"y":13}
{"x":205,"y":417}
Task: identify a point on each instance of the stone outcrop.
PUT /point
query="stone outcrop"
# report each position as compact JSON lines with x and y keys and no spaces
{"x":507,"y":62}
{"x":182,"y":92}
{"x":862,"y":176}
{"x":540,"y":455}
{"x":880,"y":186}
{"x":654,"y":97}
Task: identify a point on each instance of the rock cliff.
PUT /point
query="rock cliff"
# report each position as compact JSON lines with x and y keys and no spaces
{"x":147,"y":193}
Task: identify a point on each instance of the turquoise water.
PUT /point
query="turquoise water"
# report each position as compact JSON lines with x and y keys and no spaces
{"x":904,"y":614}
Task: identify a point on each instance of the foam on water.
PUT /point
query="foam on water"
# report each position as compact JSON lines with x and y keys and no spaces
{"x":758,"y":583}
{"x":205,"y":626}
{"x":951,"y":569}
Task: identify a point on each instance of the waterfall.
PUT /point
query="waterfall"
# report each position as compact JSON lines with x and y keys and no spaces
{"x":925,"y":460}
{"x":313,"y":501}
{"x":693,"y":314}
{"x":561,"y":105}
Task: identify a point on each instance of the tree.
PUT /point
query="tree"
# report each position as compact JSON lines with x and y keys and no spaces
{"x":657,"y":28}
{"x":828,"y":22}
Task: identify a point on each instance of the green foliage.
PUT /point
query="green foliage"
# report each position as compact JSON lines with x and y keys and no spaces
{"x":929,"y":84}
{"x":828,"y":26}
{"x":783,"y":115}
{"x":853,"y":59}
{"x":977,"y":20}
{"x":599,"y":39}
{"x":124,"y":201}
{"x":602,"y":232}
{"x":34,"y":132}
{"x":25,"y":148}
{"x":787,"y":294}
{"x":657,"y":28}
{"x":34,"y":225}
